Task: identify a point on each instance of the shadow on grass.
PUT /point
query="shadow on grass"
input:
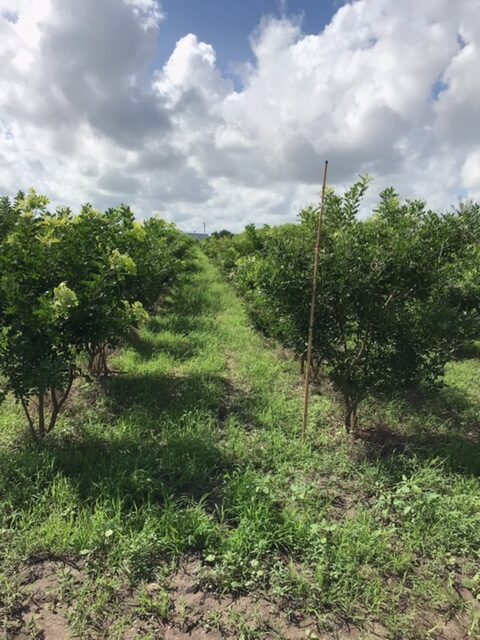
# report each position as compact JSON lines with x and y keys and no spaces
{"x":179,"y":347}
{"x":184,"y":465}
{"x":161,"y":397}
{"x":442,"y":424}
{"x":188,"y":309}
{"x":162,"y":441}
{"x":177,"y":329}
{"x":162,"y":438}
{"x":468,"y":351}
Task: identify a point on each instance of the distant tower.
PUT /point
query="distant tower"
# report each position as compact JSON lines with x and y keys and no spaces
{"x":204,"y":227}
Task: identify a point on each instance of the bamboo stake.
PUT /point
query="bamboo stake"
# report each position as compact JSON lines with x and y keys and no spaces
{"x":312,"y":304}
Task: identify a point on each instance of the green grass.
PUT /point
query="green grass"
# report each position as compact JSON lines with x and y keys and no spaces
{"x":194,"y":451}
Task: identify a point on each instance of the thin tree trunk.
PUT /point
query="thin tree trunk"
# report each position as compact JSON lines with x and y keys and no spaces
{"x":354,"y":417}
{"x":40,"y":429}
{"x":97,"y":363}
{"x":303,"y":359}
{"x":316,"y":367}
{"x":41,"y":415}
{"x":55,"y":410}
{"x":29,"y":418}
{"x":58,"y":404}
{"x":91,"y":359}
{"x":105,"y":369}
{"x":348,"y":420}
{"x":351,"y":406}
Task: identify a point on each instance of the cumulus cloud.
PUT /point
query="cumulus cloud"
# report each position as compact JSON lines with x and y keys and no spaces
{"x":387,"y":88}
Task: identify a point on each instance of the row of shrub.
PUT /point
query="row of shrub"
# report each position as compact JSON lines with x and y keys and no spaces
{"x":398,"y":290}
{"x":71,"y":288}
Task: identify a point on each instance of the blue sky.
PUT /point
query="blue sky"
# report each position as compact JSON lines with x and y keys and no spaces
{"x":227,"y":24}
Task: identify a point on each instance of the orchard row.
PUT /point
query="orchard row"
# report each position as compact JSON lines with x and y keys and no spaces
{"x":71,"y":288}
{"x":398,"y":290}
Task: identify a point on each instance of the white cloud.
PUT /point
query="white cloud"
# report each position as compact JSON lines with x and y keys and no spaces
{"x":149,"y":12}
{"x":471,"y":173}
{"x":387,"y":88}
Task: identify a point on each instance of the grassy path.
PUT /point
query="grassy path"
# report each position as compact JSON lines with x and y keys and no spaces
{"x":178,"y":501}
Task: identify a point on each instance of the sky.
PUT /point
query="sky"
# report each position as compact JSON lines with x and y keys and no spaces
{"x":223,"y":112}
{"x":227,"y":25}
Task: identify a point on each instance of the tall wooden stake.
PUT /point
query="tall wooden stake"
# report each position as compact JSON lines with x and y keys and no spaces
{"x":312,"y":304}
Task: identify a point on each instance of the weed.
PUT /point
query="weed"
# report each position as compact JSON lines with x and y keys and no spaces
{"x":156,"y":604}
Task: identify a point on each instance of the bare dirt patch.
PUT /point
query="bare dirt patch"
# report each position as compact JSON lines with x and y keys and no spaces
{"x":49,"y":589}
{"x":44,"y":612}
{"x":199,"y":614}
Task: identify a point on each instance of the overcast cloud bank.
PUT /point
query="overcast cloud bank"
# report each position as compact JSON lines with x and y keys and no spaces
{"x":388,"y":88}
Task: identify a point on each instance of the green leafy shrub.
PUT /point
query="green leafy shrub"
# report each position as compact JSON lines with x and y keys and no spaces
{"x":398,"y":292}
{"x":72,"y":285}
